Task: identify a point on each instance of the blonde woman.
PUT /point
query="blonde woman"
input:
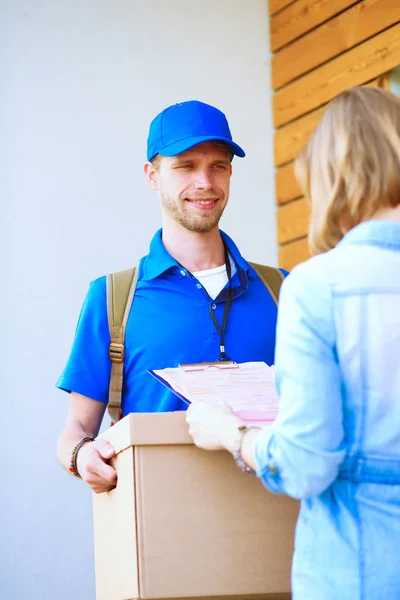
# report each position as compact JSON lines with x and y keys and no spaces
{"x":336,"y":442}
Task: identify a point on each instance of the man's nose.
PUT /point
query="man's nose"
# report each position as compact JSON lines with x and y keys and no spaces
{"x":203,"y":180}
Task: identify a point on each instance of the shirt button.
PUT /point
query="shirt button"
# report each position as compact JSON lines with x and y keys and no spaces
{"x":272,"y":469}
{"x":183,"y":272}
{"x":198,"y":285}
{"x":213,"y":306}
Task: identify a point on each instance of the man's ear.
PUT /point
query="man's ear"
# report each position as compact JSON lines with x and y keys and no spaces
{"x":151,"y":175}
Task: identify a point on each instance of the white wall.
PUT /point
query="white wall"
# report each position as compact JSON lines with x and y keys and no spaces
{"x":80,"y":81}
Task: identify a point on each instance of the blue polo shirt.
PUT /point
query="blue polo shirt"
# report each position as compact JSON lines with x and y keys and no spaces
{"x":169,"y":324}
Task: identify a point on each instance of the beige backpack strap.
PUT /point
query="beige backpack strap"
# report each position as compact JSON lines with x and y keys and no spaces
{"x":271,"y":277}
{"x":120,"y":291}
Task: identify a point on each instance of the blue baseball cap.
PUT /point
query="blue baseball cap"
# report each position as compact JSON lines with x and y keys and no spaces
{"x":184,"y":125}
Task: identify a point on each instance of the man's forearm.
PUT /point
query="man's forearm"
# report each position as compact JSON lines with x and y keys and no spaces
{"x":84,"y":420}
{"x":72,"y":434}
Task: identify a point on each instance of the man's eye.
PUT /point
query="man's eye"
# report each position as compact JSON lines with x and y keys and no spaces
{"x":221,"y":167}
{"x":185,"y":167}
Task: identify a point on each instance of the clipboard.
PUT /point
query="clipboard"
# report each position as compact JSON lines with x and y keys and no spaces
{"x":247,"y":387}
{"x":169,"y":386}
{"x":222,"y":364}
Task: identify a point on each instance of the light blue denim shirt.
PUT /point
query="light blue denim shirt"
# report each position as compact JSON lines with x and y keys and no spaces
{"x":336,"y":442}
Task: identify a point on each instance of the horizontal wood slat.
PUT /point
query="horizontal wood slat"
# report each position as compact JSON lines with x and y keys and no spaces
{"x":292,"y":254}
{"x":325,"y":46}
{"x":367,"y":61}
{"x":292,"y":221}
{"x":290,"y":139}
{"x":340,"y":34}
{"x":302,"y":16}
{"x":286,"y":186}
{"x":275,"y":5}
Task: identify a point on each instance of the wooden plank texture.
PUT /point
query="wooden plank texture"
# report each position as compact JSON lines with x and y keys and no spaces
{"x":291,"y":138}
{"x":292,"y":254}
{"x":275,"y":5}
{"x":292,"y":221}
{"x":302,"y":16}
{"x":286,"y":186}
{"x":367,"y":61}
{"x":336,"y":36}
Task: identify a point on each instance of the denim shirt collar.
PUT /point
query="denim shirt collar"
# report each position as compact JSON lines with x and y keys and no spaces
{"x":385,"y":234}
{"x":159,"y":260}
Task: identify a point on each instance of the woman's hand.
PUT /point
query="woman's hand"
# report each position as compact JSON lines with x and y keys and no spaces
{"x":213,"y":426}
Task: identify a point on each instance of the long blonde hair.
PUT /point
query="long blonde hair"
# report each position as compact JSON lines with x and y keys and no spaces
{"x":351,"y":166}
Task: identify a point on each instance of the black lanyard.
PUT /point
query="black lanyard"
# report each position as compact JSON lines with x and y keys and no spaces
{"x":221,"y":330}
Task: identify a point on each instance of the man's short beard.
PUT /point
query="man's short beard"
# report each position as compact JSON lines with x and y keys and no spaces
{"x":190,"y":222}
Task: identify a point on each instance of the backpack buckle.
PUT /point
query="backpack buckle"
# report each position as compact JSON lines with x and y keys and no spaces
{"x":116,"y":352}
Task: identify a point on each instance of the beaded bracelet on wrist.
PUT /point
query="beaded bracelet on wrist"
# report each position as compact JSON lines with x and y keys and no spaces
{"x":237,"y":454}
{"x":74,"y":455}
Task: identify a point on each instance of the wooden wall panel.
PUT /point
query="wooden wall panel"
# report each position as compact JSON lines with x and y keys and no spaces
{"x":275,"y":5}
{"x":301,"y":16}
{"x":286,"y":186}
{"x":368,"y":60}
{"x":322,"y":47}
{"x":292,"y":254}
{"x":345,"y":31}
{"x":291,"y":138}
{"x":292,"y":220}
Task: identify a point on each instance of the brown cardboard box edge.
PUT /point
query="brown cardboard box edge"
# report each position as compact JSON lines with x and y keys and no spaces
{"x":148,"y":429}
{"x":155,"y":450}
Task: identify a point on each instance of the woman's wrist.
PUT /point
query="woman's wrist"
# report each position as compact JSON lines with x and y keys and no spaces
{"x":240,"y":441}
{"x":230,"y":433}
{"x":248,"y":447}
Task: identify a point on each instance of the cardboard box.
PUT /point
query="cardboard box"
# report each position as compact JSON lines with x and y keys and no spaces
{"x":186,"y":523}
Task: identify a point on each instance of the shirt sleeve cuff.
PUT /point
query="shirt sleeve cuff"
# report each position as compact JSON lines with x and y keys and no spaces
{"x":267,"y":469}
